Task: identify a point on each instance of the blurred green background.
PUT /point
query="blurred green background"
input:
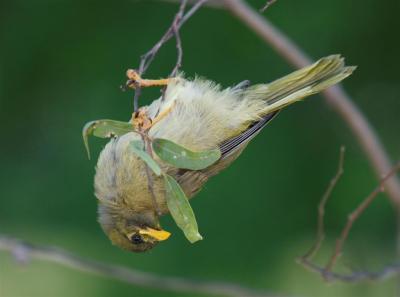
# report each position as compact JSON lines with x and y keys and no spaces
{"x":61,"y":65}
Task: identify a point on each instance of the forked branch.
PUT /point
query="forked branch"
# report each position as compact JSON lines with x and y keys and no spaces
{"x":322,"y":205}
{"x":326,"y":271}
{"x":173,"y":30}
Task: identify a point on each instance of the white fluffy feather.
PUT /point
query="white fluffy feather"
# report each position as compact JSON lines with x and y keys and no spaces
{"x":202,"y":114}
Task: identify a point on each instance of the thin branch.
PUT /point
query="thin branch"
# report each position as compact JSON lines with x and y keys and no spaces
{"x":387,"y":272}
{"x":189,"y":14}
{"x":124,"y":274}
{"x":177,"y":22}
{"x":175,"y":30}
{"x":321,"y":208}
{"x":148,"y":57}
{"x":138,"y":92}
{"x":267,"y":5}
{"x":335,"y":96}
{"x":356,"y":214}
{"x":326,"y":271}
{"x":209,"y":3}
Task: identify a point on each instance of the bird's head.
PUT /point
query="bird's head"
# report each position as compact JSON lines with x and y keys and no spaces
{"x":131,"y":231}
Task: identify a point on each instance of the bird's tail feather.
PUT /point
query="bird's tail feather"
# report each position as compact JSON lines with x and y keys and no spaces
{"x":301,"y":83}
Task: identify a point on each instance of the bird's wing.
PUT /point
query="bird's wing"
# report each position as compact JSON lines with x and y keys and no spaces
{"x":231,"y":145}
{"x":192,"y":181}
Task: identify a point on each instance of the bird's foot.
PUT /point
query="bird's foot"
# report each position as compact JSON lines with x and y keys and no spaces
{"x":140,"y":120}
{"x":135,"y":80}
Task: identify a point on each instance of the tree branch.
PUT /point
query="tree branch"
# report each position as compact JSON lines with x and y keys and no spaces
{"x":25,"y":250}
{"x":387,"y":272}
{"x":326,"y":272}
{"x":354,"y":215}
{"x":173,"y":30}
{"x":335,"y":96}
{"x":322,"y":205}
{"x":209,"y":3}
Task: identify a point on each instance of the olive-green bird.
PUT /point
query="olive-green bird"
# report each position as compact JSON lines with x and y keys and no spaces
{"x":199,"y":115}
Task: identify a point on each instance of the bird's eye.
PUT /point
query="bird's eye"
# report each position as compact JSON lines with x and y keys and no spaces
{"x":136,"y":239}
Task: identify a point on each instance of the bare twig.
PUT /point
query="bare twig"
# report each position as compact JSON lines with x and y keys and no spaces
{"x":321,"y":207}
{"x":148,"y":57}
{"x":209,"y":3}
{"x":124,"y":274}
{"x":387,"y":272}
{"x":335,"y":96}
{"x":356,"y":214}
{"x":177,"y":22}
{"x":326,"y":271}
{"x":178,"y":64}
{"x":267,"y":5}
{"x":175,"y":30}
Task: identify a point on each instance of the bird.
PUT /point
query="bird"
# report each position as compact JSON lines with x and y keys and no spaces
{"x":199,"y":115}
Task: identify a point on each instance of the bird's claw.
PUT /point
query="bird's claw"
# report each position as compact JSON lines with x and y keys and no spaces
{"x":136,"y":81}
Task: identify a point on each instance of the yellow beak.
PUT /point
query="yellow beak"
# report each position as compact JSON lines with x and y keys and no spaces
{"x":160,"y":235}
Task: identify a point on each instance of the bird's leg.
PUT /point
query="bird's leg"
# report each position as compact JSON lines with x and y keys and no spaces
{"x":135,"y":80}
{"x":161,"y":115}
{"x":141,"y":121}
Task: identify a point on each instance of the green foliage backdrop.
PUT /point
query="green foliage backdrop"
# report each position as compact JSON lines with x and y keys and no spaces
{"x":61,"y":64}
